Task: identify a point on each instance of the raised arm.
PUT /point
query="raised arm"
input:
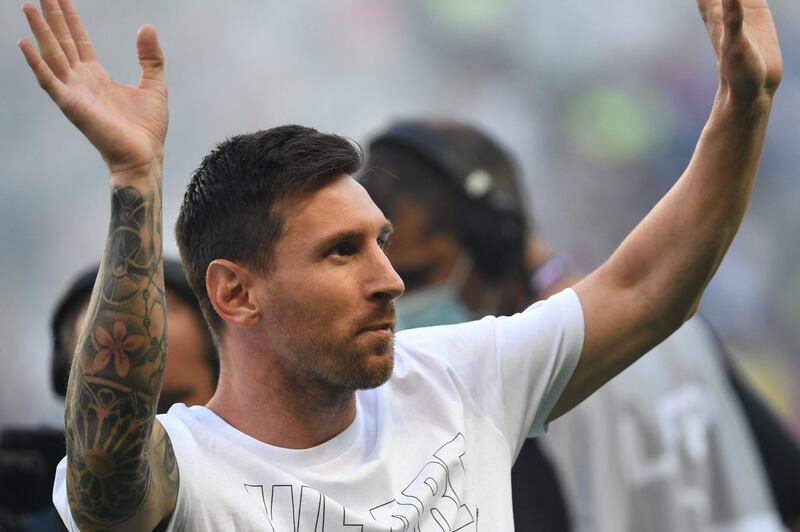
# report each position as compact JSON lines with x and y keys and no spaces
{"x":121,"y":469}
{"x":653,"y":281}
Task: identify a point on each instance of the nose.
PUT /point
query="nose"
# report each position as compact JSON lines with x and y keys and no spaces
{"x":387,"y":284}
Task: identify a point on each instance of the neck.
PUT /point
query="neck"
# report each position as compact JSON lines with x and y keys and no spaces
{"x":263,"y":401}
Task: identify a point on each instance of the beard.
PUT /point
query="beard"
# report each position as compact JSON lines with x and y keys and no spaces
{"x":351,"y":361}
{"x":358,"y":369}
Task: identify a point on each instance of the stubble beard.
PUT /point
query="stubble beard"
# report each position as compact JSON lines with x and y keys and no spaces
{"x":344,"y":365}
{"x":362,"y":369}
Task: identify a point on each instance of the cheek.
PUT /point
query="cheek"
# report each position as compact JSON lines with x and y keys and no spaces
{"x":328,"y":295}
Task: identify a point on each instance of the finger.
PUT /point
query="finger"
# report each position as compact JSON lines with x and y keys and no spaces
{"x":151,"y":58}
{"x":47,"y":80}
{"x":55,"y":19}
{"x":79,"y":35}
{"x":732,"y":16}
{"x":704,"y":8}
{"x":51,"y":51}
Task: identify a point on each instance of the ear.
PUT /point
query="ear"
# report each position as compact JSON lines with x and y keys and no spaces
{"x":229,"y":288}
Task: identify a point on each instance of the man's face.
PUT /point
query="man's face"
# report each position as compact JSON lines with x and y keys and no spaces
{"x":328,"y":301}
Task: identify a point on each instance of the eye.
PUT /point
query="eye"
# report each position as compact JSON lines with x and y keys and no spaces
{"x":383,"y":242}
{"x":344,"y":249}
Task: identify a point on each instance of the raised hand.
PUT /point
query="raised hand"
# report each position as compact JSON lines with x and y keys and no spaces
{"x":121,"y":472}
{"x":655,"y":292}
{"x":746,"y":43}
{"x":127,"y":124}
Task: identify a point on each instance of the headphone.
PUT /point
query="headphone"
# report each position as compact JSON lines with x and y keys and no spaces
{"x":493,"y":225}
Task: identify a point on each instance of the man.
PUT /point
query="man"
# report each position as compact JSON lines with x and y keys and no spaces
{"x":655,"y":448}
{"x":192,"y":369}
{"x":311,"y":426}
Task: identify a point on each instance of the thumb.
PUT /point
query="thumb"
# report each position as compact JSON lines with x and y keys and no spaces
{"x":151,"y":58}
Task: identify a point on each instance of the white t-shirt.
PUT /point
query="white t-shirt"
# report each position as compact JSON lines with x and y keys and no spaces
{"x":430,"y":450}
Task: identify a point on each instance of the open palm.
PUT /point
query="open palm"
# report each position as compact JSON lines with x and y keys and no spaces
{"x":127,"y":124}
{"x":746,"y":43}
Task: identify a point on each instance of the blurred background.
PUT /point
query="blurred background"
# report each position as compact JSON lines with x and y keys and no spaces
{"x":601,"y":101}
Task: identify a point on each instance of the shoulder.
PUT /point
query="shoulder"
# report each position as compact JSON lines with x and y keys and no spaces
{"x":186,"y":435}
{"x":561,"y":311}
{"x":179,"y":415}
{"x":184,"y":427}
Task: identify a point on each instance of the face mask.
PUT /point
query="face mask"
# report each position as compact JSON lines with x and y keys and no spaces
{"x":438,"y":304}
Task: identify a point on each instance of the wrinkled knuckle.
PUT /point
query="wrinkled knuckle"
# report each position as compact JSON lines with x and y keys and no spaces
{"x":151,"y":62}
{"x":53,"y":56}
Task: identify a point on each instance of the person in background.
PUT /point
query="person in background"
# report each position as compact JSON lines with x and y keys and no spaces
{"x":28,"y":458}
{"x":665,"y":446}
{"x":190,"y":376}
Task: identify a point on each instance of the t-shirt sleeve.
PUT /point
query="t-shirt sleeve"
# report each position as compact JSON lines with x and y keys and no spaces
{"x":515,"y":367}
{"x":60,"y":496}
{"x":183,"y":446}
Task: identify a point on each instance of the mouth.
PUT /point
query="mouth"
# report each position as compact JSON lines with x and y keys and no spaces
{"x":387,"y":326}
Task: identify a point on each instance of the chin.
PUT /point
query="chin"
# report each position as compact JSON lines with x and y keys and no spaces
{"x":376,"y":368}
{"x":363,"y":368}
{"x":378,"y":373}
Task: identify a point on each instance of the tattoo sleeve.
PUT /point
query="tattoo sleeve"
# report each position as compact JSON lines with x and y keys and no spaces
{"x":117,"y":370}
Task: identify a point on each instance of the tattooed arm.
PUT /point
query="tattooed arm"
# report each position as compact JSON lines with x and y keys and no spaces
{"x":120,"y":461}
{"x":121,"y":471}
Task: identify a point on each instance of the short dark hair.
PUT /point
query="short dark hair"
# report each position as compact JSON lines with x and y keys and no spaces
{"x":231,"y":209}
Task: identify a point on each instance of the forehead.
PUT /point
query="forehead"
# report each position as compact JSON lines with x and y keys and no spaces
{"x":341,"y":204}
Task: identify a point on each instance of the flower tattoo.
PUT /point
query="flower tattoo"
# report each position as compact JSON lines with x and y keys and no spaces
{"x":115,"y":345}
